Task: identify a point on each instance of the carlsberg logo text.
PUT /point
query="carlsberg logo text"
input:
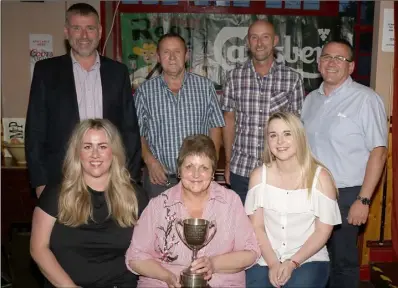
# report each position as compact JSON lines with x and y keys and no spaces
{"x":236,"y":53}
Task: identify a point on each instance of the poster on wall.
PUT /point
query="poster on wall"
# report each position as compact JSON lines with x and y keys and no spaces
{"x":217,"y":42}
{"x":387,"y":44}
{"x":40,"y":47}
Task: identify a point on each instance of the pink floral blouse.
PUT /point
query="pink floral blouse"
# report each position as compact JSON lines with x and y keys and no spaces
{"x":155,"y":237}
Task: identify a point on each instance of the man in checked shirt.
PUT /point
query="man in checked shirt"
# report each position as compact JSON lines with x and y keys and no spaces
{"x":254,"y":91}
{"x":170,"y":107}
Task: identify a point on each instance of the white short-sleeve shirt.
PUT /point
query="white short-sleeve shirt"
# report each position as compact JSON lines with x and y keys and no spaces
{"x":289,"y":216}
{"x":343,"y":128}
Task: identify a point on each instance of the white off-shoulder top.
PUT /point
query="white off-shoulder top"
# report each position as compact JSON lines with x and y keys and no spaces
{"x":289,"y":216}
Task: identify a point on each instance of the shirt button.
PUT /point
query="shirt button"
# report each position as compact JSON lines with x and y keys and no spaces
{"x":259,"y":127}
{"x":283,"y":227}
{"x":284,"y":244}
{"x":261,"y":110}
{"x":287,"y":193}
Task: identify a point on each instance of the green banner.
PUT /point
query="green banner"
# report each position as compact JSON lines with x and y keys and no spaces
{"x":217,"y":42}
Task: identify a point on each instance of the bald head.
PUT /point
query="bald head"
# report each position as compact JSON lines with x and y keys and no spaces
{"x":262,"y":24}
{"x":261,"y":40}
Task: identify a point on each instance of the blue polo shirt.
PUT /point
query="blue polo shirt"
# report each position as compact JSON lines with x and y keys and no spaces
{"x":343,"y":128}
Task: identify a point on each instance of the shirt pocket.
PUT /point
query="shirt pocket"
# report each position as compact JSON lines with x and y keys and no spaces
{"x":340,"y":125}
{"x":279,"y":101}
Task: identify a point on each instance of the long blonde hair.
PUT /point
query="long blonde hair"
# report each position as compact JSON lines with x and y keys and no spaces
{"x":74,"y":204}
{"x":305,"y":158}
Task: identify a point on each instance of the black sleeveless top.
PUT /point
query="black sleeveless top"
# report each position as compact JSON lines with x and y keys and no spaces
{"x":93,"y":255}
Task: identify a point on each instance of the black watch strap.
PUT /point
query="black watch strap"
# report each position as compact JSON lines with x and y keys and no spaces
{"x":364,"y":200}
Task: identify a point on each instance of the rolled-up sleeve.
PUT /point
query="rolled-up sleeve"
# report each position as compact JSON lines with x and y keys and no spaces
{"x":142,"y":242}
{"x":245,"y":238}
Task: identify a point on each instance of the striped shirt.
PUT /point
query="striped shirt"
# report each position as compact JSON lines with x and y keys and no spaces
{"x":254,"y":99}
{"x":155,"y":236}
{"x":88,"y":89}
{"x":166,"y":119}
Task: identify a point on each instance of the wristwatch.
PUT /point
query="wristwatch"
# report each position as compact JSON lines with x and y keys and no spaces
{"x":364,"y":200}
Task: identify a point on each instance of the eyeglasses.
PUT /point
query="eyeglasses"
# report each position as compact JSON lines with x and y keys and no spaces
{"x":339,"y":59}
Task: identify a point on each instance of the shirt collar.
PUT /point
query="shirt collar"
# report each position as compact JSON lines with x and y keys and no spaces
{"x":174,"y":194}
{"x":274,"y":66}
{"x":186,"y":76}
{"x":96,"y":64}
{"x":345,"y":84}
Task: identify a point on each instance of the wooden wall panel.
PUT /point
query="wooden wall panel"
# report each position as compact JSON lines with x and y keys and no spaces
{"x":372,"y":229}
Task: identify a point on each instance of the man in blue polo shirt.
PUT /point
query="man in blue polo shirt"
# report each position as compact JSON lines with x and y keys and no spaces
{"x":346,"y":124}
{"x":170,"y":107}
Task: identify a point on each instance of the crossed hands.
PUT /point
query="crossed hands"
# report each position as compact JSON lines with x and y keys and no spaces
{"x":200,"y":265}
{"x":280,"y":273}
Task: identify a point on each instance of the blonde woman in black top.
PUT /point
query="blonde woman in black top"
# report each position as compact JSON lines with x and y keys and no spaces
{"x":82,"y":229}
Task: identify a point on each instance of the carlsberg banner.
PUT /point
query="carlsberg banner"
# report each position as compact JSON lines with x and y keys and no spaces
{"x":217,"y":42}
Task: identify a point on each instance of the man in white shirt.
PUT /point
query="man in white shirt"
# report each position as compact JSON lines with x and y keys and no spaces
{"x":346,"y":125}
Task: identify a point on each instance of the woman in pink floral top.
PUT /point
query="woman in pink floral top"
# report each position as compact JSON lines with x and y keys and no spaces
{"x":156,"y":252}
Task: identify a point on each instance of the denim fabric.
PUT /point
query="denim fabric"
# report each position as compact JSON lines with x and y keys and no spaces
{"x":240,"y":185}
{"x":309,"y":275}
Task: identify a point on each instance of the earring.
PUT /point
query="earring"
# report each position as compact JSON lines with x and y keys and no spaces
{"x":178,"y":175}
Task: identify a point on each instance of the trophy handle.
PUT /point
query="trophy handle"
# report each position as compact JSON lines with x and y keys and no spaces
{"x":179,"y":222}
{"x":212,"y":225}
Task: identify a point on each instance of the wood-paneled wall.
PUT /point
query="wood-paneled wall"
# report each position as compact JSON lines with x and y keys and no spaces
{"x":373,"y":227}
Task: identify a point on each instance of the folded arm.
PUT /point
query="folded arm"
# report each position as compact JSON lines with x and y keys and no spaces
{"x":140,"y":255}
{"x":246,"y":251}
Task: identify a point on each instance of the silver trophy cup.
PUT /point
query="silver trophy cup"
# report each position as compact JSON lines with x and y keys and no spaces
{"x":195,"y":237}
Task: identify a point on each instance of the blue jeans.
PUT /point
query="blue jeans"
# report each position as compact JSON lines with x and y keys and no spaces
{"x":240,"y":185}
{"x":309,"y":275}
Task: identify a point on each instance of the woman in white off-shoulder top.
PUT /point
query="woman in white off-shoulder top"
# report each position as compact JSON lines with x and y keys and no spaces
{"x":292,"y":205}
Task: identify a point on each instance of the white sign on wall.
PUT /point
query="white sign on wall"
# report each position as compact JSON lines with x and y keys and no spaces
{"x":388,"y":31}
{"x":40,"y":47}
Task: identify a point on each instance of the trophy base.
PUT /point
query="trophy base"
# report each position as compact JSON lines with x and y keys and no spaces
{"x":192,"y":280}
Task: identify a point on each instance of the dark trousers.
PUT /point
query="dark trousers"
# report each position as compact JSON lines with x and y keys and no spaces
{"x":309,"y":275}
{"x":240,"y":185}
{"x":154,"y":190}
{"x":342,"y":245}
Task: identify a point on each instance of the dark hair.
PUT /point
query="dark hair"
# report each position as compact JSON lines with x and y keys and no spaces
{"x":346,"y":43}
{"x":83,"y":9}
{"x":199,"y":144}
{"x":171,"y":35}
